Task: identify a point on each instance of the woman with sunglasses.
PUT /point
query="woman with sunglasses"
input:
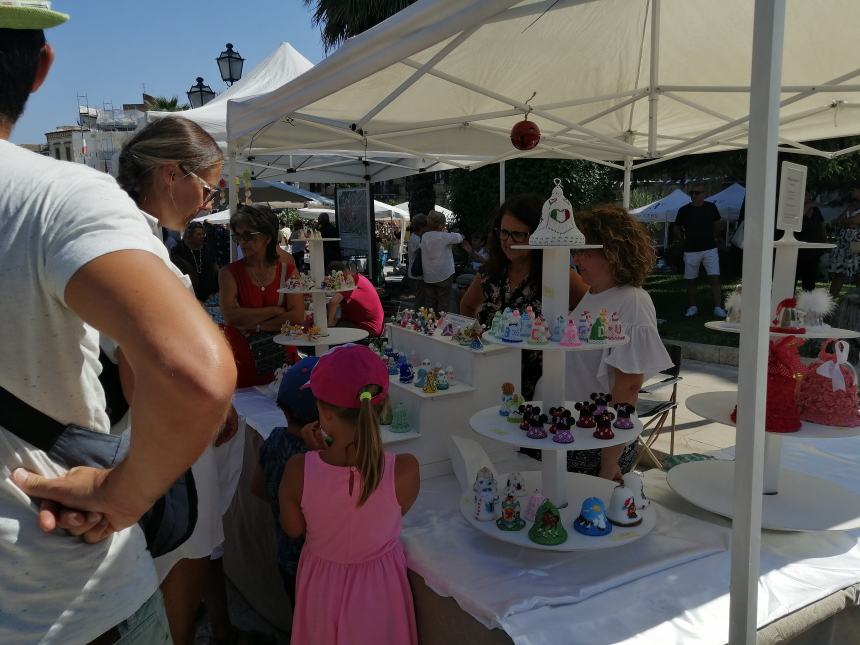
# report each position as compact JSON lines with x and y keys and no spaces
{"x":170,"y":169}
{"x":512,"y":277}
{"x":249,"y":297}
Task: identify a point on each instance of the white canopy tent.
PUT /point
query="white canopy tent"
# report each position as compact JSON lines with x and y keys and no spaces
{"x":729,"y":201}
{"x":664,"y":209}
{"x":447,"y":212}
{"x":382,"y":211}
{"x":614,"y":81}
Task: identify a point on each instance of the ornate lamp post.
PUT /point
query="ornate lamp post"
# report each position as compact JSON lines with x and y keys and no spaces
{"x":230,"y":65}
{"x":200,"y":94}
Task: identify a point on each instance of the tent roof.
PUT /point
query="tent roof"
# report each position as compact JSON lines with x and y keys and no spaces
{"x":381,"y":209}
{"x":664,"y":209}
{"x":282,"y":66}
{"x":447,"y":77}
{"x":729,"y":200}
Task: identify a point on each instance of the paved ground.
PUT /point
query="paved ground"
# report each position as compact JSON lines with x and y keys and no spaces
{"x":692,"y":433}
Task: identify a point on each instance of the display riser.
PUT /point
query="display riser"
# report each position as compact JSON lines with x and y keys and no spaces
{"x":439,"y":418}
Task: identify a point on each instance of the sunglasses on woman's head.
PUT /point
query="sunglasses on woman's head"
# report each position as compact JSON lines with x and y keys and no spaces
{"x":209,"y":192}
{"x":519,"y":237}
{"x":244,"y":236}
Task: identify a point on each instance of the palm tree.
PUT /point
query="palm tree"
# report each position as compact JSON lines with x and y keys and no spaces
{"x":164,"y":104}
{"x":342,"y":19}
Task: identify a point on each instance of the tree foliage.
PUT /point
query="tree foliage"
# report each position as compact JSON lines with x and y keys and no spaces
{"x":342,"y":19}
{"x":474,"y":195}
{"x":164,"y":104}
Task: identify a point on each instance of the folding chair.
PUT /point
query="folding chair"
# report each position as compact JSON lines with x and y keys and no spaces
{"x":654,"y":412}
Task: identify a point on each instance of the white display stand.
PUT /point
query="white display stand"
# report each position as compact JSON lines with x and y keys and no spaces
{"x":786,"y":493}
{"x":489,"y":423}
{"x":435,"y":418}
{"x":327,"y":337}
{"x":804,"y":502}
{"x":578,"y":485}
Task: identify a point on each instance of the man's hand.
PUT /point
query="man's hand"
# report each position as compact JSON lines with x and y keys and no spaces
{"x":80,"y":495}
{"x":313,"y":436}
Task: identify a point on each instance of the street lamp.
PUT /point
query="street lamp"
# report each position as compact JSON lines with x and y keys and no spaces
{"x":230,"y":65}
{"x":200,"y":94}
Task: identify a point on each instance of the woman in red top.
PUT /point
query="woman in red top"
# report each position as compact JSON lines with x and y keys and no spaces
{"x":360,"y":308}
{"x":249,"y":296}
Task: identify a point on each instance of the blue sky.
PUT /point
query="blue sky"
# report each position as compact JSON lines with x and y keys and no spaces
{"x":109,"y":50}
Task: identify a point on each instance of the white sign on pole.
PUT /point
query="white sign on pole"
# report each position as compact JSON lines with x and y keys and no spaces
{"x":792,"y":192}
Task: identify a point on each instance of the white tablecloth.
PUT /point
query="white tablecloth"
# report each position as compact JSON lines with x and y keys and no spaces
{"x":612,"y":596}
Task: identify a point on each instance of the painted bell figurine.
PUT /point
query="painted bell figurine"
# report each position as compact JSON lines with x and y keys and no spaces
{"x":486,"y":495}
{"x":547,"y":529}
{"x":441,"y":381}
{"x":623,"y":412}
{"x":451,"y":375}
{"x":570,"y":338}
{"x":496,"y":324}
{"x":592,"y":519}
{"x":562,"y":432}
{"x":622,"y":509}
{"x":393,"y":370}
{"x":507,"y":396}
{"x":586,"y":414}
{"x":636,"y":484}
{"x":510,"y":519}
{"x":421,"y":377}
{"x":558,"y":329}
{"x":604,"y":425}
{"x":430,"y":382}
{"x":535,"y":500}
{"x":527,"y":322}
{"x":583,"y":326}
{"x":601,"y":401}
{"x":400,"y":419}
{"x":536,"y":429}
{"x":516,"y":484}
{"x":513,"y":330}
{"x":540,"y":334}
{"x":407,"y":374}
{"x":598,"y":329}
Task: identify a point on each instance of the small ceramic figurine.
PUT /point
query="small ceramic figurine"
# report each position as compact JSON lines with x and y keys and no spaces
{"x":441,"y":380}
{"x":604,"y":425}
{"x":448,"y":329}
{"x":536,"y":423}
{"x":451,"y":375}
{"x":540,"y":334}
{"x":601,"y":400}
{"x":400,"y":419}
{"x":507,"y":395}
{"x":558,"y":329}
{"x":570,"y":338}
{"x":547,"y":529}
{"x":598,"y":329}
{"x":623,"y":412}
{"x":513,"y":330}
{"x":583,"y":326}
{"x":393,"y":369}
{"x":527,"y":322}
{"x":496,"y":324}
{"x":535,"y":500}
{"x":430,"y":382}
{"x":421,"y":375}
{"x":407,"y":374}
{"x":635,"y":483}
{"x":526,"y":412}
{"x":510,"y":519}
{"x":586,"y":414}
{"x":562,"y":432}
{"x":486,"y":495}
{"x":517,"y":484}
{"x":622,"y":507}
{"x":592,"y":518}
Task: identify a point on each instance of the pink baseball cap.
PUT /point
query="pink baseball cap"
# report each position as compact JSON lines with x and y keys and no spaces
{"x":344,"y":372}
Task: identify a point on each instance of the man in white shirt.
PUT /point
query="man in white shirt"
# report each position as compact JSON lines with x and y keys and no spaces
{"x":417,"y":226}
{"x":71,"y":259}
{"x":437,"y":259}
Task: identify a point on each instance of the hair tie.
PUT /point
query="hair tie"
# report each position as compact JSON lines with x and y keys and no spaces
{"x":365,"y":396}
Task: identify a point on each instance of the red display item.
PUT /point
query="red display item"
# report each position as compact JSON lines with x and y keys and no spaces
{"x":586,"y":414}
{"x":604,"y":425}
{"x":525,"y":135}
{"x":784,"y":370}
{"x":786,"y":318}
{"x":828,"y":391}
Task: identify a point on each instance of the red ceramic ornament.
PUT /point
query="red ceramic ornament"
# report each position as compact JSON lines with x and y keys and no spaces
{"x":525,"y":135}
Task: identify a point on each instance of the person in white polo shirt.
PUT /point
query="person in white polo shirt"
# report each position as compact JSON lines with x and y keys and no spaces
{"x":698,"y":224}
{"x":437,"y":259}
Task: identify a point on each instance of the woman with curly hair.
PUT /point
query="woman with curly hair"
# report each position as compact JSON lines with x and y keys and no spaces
{"x":615,"y":275}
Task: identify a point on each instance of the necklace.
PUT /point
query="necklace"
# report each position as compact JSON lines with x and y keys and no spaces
{"x":198,"y":260}
{"x":256,"y":279}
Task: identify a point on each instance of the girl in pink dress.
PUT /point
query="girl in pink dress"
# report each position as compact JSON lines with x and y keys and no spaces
{"x":348,"y":500}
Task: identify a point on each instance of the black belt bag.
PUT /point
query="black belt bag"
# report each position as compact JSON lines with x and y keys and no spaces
{"x":171,"y":520}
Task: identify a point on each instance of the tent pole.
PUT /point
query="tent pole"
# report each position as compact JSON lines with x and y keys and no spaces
{"x":765,"y":77}
{"x":501,"y":182}
{"x":625,"y":189}
{"x":232,"y":194}
{"x":371,"y":234}
{"x":654,"y":78}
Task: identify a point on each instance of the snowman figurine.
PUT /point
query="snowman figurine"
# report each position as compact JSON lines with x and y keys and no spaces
{"x":486,"y":496}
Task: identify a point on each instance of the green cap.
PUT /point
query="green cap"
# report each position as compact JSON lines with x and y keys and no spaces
{"x":29,"y":14}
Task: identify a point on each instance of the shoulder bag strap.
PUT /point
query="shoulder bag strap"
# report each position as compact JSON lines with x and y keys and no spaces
{"x":283,"y":282}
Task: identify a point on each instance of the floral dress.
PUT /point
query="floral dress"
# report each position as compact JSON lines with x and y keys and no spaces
{"x":497,"y":296}
{"x":842,"y":260}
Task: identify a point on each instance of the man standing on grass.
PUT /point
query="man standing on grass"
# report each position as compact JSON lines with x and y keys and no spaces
{"x":698,"y":224}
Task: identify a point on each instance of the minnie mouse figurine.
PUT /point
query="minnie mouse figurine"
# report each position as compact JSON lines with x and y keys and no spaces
{"x":586,"y":411}
{"x":601,"y":400}
{"x":536,"y":430}
{"x":526,"y":411}
{"x":623,"y":420}
{"x":604,"y":425}
{"x":561,"y":429}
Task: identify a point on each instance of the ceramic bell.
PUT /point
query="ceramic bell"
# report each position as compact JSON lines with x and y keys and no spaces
{"x":547,"y":529}
{"x":496,"y":325}
{"x":622,"y":509}
{"x":635,"y":483}
{"x":570,"y":337}
{"x":597,"y":335}
{"x":583,"y":326}
{"x":517,"y":485}
{"x":486,"y":496}
{"x":430,"y":382}
{"x":788,"y":318}
{"x":558,"y":329}
{"x":507,"y":396}
{"x":421,"y":377}
{"x":623,"y":412}
{"x":592,"y":519}
{"x":510,"y":519}
{"x":407,"y":374}
{"x":451,"y":375}
{"x":535,"y":500}
{"x":586,"y":414}
{"x":400,"y":419}
{"x":441,"y":381}
{"x":557,"y":226}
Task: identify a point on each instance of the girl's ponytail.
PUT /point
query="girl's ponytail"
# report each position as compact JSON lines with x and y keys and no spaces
{"x":369,"y":456}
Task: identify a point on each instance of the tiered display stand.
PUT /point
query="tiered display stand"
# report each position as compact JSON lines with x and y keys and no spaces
{"x":565,"y":490}
{"x":327,"y":337}
{"x":792,"y":501}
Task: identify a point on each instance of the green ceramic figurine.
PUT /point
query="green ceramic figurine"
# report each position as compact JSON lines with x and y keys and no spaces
{"x":510,"y":519}
{"x":548,"y":529}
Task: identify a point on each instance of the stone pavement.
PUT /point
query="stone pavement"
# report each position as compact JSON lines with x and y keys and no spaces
{"x":693,"y":433}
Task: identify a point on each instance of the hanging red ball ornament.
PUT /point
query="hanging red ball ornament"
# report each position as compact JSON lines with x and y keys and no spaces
{"x":525,"y":135}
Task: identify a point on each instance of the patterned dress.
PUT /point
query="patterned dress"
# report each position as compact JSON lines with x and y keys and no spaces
{"x":497,"y":296}
{"x":842,"y":260}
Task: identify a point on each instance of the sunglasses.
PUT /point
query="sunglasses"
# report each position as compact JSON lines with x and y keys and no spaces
{"x":519,"y":237}
{"x":209,"y":192}
{"x":697,"y":192}
{"x":244,"y":236}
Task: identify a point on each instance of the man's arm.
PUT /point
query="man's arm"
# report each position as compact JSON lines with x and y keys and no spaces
{"x":184,"y":376}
